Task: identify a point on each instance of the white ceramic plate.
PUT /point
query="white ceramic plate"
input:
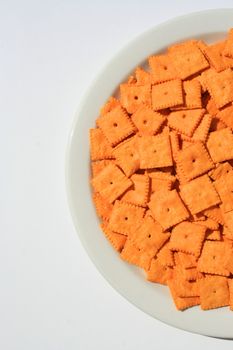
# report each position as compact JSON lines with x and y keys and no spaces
{"x":128,"y":280}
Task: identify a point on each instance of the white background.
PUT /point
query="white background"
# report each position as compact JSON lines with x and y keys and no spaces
{"x":51,"y":295}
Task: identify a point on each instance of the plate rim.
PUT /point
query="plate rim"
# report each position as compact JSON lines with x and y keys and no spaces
{"x":74,"y":126}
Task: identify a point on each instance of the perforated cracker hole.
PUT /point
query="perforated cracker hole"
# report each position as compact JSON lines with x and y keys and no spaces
{"x":115,"y":125}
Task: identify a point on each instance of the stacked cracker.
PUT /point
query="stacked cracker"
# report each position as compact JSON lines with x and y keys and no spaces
{"x":162,"y":159}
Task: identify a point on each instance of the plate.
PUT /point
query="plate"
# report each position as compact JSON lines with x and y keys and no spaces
{"x":128,"y":280}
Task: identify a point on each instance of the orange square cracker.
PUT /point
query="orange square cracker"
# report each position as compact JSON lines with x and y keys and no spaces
{"x":214,"y":292}
{"x":194,"y":161}
{"x":111,"y":183}
{"x":188,"y":61}
{"x":116,"y":125}
{"x":167,"y":94}
{"x":185,"y":121}
{"x":220,"y":145}
{"x":168,"y":208}
{"x":199,"y":194}
{"x":125,"y":218}
{"x":187,"y":237}
{"x":162,"y":68}
{"x":135,"y":96}
{"x":213,"y":258}
{"x":147,"y":121}
{"x":154,"y":151}
{"x":149,"y":236}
